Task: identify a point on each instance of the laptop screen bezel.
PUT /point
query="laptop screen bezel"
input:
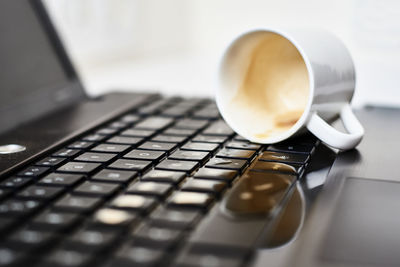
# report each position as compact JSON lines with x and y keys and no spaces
{"x":47,"y":99}
{"x":49,"y":28}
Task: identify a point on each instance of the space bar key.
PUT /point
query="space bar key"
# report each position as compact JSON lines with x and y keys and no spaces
{"x":233,"y":222}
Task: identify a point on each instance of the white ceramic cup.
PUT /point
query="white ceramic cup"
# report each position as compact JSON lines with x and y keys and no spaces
{"x":275,"y":84}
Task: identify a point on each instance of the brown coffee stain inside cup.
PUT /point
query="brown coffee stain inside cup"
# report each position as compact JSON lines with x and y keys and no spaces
{"x":287,"y":119}
{"x":274,"y":90}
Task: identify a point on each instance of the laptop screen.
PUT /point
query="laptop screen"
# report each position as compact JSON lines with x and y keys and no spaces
{"x":34,"y":77}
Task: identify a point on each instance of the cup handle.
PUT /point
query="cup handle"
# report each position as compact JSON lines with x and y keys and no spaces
{"x":334,"y":138}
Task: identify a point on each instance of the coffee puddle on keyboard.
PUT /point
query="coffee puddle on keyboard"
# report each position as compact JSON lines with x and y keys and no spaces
{"x":289,"y":224}
{"x":258,"y":193}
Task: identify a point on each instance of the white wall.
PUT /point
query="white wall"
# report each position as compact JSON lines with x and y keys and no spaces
{"x":174,"y":45}
{"x":100,"y":31}
{"x":370,"y":29}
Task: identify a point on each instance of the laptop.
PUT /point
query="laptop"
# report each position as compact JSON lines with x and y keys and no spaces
{"x":137,"y":179}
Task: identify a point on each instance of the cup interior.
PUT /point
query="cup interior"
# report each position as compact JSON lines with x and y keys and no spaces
{"x":264,"y":87}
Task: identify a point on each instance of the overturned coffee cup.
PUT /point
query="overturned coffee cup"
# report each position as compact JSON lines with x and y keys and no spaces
{"x":275,"y":84}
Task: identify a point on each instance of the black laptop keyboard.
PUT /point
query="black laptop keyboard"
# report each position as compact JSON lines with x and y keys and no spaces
{"x":159,"y":186}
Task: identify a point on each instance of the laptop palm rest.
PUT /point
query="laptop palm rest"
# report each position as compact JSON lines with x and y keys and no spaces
{"x":365,"y":226}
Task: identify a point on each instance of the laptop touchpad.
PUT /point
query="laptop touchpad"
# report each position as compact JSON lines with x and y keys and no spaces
{"x":365,"y":228}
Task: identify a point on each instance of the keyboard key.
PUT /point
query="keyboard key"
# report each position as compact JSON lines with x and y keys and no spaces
{"x":60,"y":179}
{"x":80,"y":145}
{"x":90,"y":240}
{"x":15,"y":182}
{"x":145,"y":154}
{"x":207,"y":112}
{"x":96,"y":157}
{"x":183,"y":106}
{"x":210,"y":104}
{"x":111,"y":148}
{"x":268,"y":166}
{"x":243,"y":145}
{"x":28,"y":239}
{"x":190,"y":155}
{"x":156,"y":237}
{"x":124,"y":140}
{"x":185,"y":102}
{"x":164,"y":176}
{"x":154,"y":107}
{"x":218,"y":128}
{"x":130,"y":118}
{"x":65,"y":258}
{"x":18,"y":207}
{"x":190,"y":200}
{"x":96,"y":189}
{"x":210,"y":139}
{"x":236,"y":154}
{"x":133,"y":132}
{"x":196,"y":101}
{"x":134,"y":202}
{"x":79,"y":167}
{"x":131,"y":164}
{"x":200,"y":256}
{"x":182,"y":219}
{"x":191,"y":124}
{"x":240,"y":138}
{"x":230,"y":164}
{"x":10,"y":257}
{"x":118,"y":125}
{"x":112,"y":218}
{"x":208,"y":147}
{"x":107,"y":131}
{"x":167,"y":147}
{"x":293,"y":148}
{"x":51,"y":162}
{"x":94,"y":138}
{"x":53,"y":221}
{"x":40,"y":192}
{"x":160,"y":190}
{"x":114,"y":176}
{"x":216,"y":174}
{"x":284,"y":157}
{"x":34,"y":171}
{"x":179,"y":132}
{"x":154,"y":123}
{"x":66,"y":153}
{"x":169,"y":139}
{"x":138,"y":256}
{"x":177,"y":165}
{"x":202,"y":185}
{"x":177,"y":111}
{"x":72,"y":203}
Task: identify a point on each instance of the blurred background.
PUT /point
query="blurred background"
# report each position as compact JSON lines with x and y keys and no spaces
{"x":174,"y":46}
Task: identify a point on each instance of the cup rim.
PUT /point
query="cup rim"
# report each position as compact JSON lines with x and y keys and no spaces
{"x":302,"y":120}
